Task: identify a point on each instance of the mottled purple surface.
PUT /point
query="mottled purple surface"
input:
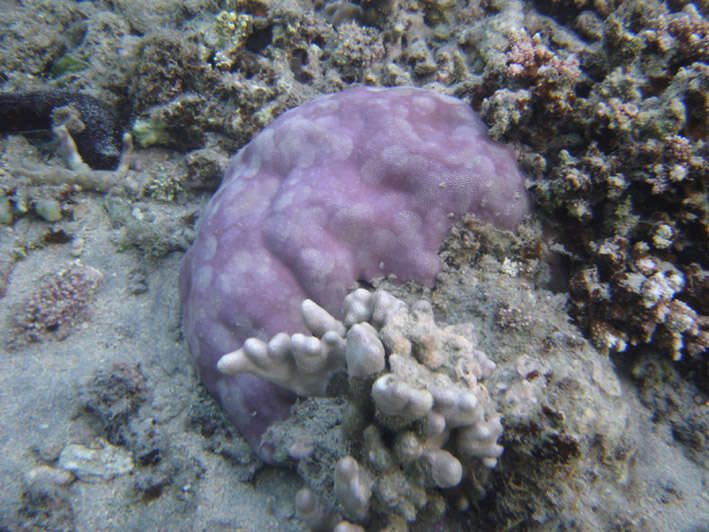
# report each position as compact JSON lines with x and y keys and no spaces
{"x":350,"y":186}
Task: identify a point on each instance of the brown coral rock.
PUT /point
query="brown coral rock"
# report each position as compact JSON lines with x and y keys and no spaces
{"x":60,"y":301}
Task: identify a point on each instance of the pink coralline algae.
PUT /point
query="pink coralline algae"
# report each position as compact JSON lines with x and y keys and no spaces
{"x":351,"y":186}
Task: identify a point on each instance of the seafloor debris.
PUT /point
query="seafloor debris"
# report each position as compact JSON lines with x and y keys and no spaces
{"x":113,"y":397}
{"x":60,"y":301}
{"x":100,"y":461}
{"x":77,"y":171}
{"x":95,"y":127}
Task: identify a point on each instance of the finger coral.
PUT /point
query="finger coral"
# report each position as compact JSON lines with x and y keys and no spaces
{"x":437,"y":416}
{"x":355,"y":185}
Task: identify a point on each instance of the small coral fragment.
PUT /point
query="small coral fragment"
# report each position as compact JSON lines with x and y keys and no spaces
{"x":59,"y":302}
{"x":97,"y":137}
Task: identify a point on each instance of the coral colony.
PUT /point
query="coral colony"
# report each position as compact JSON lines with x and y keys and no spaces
{"x":351,"y":186}
{"x":425,"y":388}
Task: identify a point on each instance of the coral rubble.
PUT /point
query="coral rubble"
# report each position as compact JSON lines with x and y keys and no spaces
{"x":60,"y":301}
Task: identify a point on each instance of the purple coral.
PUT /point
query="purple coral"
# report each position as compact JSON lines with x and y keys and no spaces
{"x":350,"y":186}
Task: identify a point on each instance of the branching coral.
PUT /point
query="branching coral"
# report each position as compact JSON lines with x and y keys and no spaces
{"x":420,"y":382}
{"x":77,"y":171}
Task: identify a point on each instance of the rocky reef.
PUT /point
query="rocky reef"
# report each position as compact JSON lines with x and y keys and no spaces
{"x":391,"y":407}
{"x":607,"y":103}
{"x":595,"y":314}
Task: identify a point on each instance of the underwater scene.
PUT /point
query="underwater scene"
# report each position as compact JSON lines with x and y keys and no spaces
{"x":367,"y":265}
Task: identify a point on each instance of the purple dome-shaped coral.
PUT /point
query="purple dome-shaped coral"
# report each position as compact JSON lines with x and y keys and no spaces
{"x":350,"y":186}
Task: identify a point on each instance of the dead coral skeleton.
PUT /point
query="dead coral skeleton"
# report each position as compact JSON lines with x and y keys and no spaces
{"x":646,"y":298}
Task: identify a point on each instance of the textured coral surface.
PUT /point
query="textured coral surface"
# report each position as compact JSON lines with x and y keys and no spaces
{"x":418,"y":391}
{"x":351,"y":186}
{"x":59,"y":301}
{"x":606,"y":103}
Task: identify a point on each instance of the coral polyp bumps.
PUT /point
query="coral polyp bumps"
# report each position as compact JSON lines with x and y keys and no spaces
{"x":417,"y":385}
{"x":351,"y":186}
